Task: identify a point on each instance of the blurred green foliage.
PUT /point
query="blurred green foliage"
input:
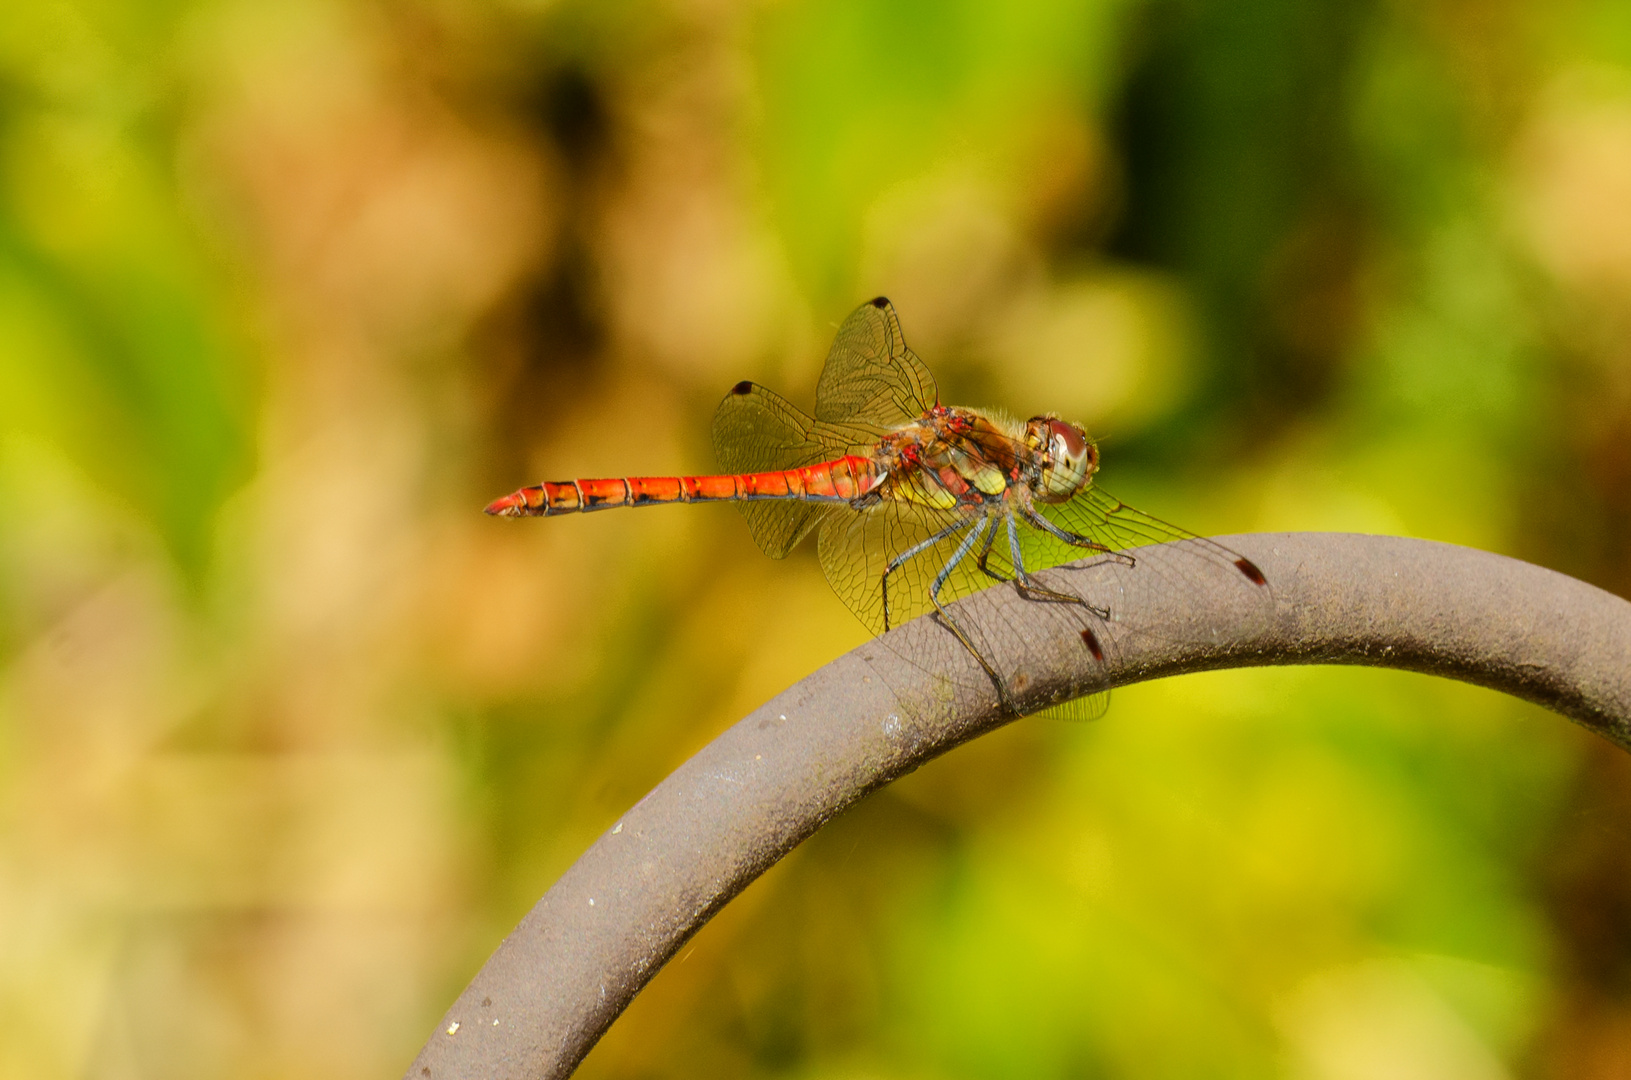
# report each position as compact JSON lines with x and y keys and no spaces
{"x":286,"y":295}
{"x":124,"y":346}
{"x":860,"y":97}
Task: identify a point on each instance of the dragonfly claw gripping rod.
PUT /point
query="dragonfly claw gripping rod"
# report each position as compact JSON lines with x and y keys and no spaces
{"x":674,"y":859}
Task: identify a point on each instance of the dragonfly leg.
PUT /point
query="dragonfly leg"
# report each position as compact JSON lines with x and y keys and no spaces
{"x":957,"y":556}
{"x":1030,"y":589}
{"x":985,"y":553}
{"x":1073,"y":539}
{"x":950,"y":623}
{"x":899,"y":560}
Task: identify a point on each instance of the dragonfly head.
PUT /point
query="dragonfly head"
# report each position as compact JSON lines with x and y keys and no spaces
{"x":1068,"y":457}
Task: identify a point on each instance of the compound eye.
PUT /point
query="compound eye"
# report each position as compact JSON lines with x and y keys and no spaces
{"x":1070,"y":437}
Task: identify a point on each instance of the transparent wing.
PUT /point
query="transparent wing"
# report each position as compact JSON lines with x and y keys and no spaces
{"x":756,"y":430}
{"x":1096,"y":513}
{"x":1173,"y":562}
{"x":1094,"y":528}
{"x":871,"y":377}
{"x":871,"y":383}
{"x":856,"y":546}
{"x":1080,"y":710}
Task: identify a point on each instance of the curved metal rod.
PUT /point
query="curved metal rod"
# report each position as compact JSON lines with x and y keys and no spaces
{"x":574,"y":963}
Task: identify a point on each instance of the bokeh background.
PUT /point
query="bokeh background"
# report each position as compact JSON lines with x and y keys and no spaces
{"x":291,"y":735}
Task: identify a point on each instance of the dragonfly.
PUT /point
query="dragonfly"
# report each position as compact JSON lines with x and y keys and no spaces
{"x":916,"y":503}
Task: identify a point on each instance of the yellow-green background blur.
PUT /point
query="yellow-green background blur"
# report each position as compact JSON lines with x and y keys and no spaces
{"x":291,"y":735}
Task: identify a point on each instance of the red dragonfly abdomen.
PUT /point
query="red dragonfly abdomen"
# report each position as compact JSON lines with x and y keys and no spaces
{"x":840,"y":480}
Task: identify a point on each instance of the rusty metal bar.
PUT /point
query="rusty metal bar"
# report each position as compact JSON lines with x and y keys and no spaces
{"x":597,"y":937}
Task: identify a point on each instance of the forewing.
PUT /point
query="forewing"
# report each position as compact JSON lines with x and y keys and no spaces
{"x":1119,"y":526}
{"x":1173,"y":562}
{"x":871,"y":377}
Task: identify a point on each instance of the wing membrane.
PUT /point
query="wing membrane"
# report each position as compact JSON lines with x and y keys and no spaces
{"x":871,"y":377}
{"x":756,"y":430}
{"x":1173,"y":562}
{"x":871,"y":383}
{"x":856,"y":546}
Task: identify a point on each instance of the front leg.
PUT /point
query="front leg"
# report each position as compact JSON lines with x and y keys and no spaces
{"x":1031,"y":590}
{"x":1075,"y":539}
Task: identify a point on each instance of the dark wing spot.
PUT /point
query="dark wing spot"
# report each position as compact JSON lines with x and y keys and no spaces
{"x":1091,"y":640}
{"x":1253,"y":574}
{"x":879,"y":301}
{"x":743,"y":387}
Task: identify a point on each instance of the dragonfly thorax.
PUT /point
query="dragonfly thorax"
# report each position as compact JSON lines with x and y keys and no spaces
{"x":956,"y":457}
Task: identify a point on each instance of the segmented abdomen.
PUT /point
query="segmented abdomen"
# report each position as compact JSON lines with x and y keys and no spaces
{"x":840,"y":480}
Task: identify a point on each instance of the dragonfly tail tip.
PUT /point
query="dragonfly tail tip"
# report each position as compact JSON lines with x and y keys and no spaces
{"x":512,"y":505}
